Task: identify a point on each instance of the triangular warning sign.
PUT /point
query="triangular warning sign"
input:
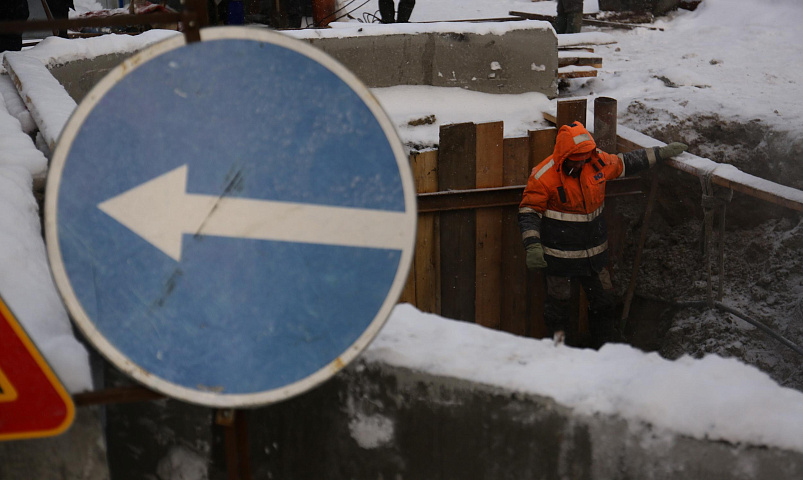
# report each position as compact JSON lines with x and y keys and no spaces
{"x":33,"y":402}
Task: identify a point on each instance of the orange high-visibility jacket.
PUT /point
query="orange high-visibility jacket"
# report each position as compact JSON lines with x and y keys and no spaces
{"x":562,"y":209}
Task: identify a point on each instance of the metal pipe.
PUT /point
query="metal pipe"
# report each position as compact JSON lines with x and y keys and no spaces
{"x":605,"y":120}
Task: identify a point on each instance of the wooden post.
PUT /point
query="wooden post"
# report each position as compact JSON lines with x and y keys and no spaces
{"x":571,"y":111}
{"x":489,"y":173}
{"x":457,"y":171}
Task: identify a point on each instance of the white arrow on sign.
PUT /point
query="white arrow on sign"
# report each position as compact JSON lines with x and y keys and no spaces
{"x":161,"y":211}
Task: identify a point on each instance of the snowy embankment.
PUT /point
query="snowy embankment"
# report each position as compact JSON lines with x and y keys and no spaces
{"x":26,"y":284}
{"x":715,"y":398}
{"x":710,"y":398}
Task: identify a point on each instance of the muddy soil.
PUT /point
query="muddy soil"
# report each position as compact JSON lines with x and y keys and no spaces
{"x":763,"y":255}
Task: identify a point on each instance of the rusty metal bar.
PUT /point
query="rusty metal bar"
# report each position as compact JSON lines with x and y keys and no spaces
{"x":96,"y":22}
{"x":605,"y":120}
{"x":506,"y":196}
{"x":469,"y":199}
{"x":631,"y":289}
{"x":130,"y":394}
{"x":768,"y":191}
{"x":198,"y":17}
{"x":235,"y":432}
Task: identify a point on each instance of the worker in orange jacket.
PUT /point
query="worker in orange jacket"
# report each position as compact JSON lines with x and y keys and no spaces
{"x":564,"y":230}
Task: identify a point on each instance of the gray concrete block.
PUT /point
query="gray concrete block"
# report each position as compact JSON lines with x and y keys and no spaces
{"x":77,"y":454}
{"x":377,"y":421}
{"x":79,"y":76}
{"x":517,"y":57}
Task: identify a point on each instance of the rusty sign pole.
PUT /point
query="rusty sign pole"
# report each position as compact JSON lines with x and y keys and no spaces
{"x":197,"y":17}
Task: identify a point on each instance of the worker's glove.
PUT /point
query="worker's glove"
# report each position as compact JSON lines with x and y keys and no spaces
{"x":535,"y":256}
{"x":674,"y":148}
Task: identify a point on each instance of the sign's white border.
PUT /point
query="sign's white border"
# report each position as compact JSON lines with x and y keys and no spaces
{"x":125,"y":364}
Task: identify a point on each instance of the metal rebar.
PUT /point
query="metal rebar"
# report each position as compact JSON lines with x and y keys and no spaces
{"x":631,"y":289}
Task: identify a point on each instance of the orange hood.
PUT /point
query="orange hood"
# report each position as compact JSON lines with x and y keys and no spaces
{"x":572,"y":139}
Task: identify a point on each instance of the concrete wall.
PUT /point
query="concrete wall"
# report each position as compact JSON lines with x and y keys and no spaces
{"x":373,"y":421}
{"x":79,"y":76}
{"x":492,"y":60}
{"x":514,"y":60}
{"x":78,"y":454}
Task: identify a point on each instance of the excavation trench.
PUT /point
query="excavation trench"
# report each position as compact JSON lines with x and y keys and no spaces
{"x":763,"y":254}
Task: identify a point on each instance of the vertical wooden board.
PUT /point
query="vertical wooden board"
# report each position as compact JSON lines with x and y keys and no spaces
{"x":516,"y":161}
{"x":457,"y":171}
{"x":408,"y":293}
{"x":490,"y":152}
{"x":542,"y":143}
{"x":490,"y":137}
{"x":570,"y":111}
{"x":427,"y":257}
{"x":514,"y":296}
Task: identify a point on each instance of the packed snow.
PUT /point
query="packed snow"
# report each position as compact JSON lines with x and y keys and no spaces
{"x":738,"y":58}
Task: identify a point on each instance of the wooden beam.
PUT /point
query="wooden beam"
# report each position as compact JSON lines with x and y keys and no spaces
{"x":576,"y":72}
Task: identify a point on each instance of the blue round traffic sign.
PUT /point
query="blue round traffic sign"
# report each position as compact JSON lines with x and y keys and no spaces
{"x":230,"y":221}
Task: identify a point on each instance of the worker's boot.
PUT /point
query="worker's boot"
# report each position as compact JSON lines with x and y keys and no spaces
{"x":603,"y":327}
{"x":405,"y":10}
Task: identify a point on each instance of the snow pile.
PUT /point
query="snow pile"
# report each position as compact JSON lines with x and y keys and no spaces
{"x":27,"y":286}
{"x":710,"y":398}
{"x":48,"y":101}
{"x":419,"y":111}
{"x":738,"y":59}
{"x":57,"y":51}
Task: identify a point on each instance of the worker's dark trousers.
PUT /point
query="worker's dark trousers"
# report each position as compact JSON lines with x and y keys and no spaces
{"x":388,"y":14}
{"x":602,"y":304}
{"x":570,"y":16}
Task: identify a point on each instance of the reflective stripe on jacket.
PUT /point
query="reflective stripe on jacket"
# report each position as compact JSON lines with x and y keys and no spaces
{"x":565,"y":212}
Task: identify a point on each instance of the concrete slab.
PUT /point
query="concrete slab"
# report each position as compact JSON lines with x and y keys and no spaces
{"x":508,"y":57}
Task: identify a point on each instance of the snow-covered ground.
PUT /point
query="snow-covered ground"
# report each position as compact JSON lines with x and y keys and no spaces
{"x":737,"y":59}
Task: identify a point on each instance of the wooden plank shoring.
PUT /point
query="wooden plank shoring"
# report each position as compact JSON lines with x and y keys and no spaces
{"x":457,"y":170}
{"x":427,"y":258}
{"x":542,"y":143}
{"x":514,"y":270}
{"x":570,"y":111}
{"x":489,"y":173}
